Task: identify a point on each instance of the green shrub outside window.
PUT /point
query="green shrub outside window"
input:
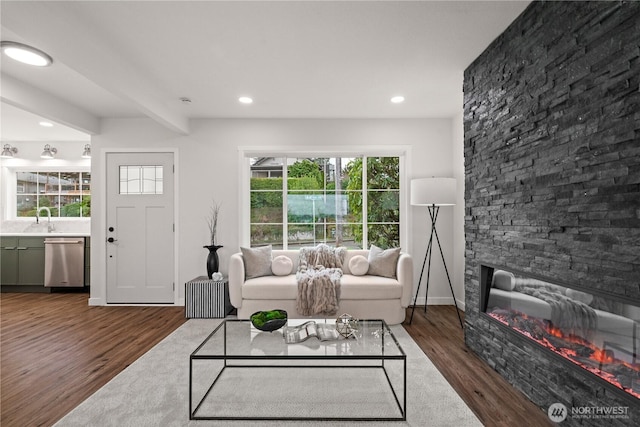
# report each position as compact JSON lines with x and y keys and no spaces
{"x":323,"y":201}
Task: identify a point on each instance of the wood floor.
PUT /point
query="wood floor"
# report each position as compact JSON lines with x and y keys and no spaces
{"x":55,"y":351}
{"x":494,"y":401}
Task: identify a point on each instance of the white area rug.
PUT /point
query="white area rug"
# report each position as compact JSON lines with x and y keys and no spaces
{"x":154,"y":390}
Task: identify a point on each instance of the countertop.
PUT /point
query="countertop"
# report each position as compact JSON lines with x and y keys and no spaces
{"x":53,"y":234}
{"x":61,"y":228}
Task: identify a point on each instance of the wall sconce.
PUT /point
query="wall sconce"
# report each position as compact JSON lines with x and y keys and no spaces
{"x":86,"y":154}
{"x":48,"y":152}
{"x":8,"y":151}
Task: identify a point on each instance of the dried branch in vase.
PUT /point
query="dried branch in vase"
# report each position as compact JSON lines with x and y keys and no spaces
{"x":212,"y":221}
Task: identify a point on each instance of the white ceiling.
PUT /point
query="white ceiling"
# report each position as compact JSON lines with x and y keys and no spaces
{"x":21,"y":125}
{"x":297,"y":59}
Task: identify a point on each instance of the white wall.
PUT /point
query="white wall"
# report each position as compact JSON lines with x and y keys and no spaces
{"x":207,"y":169}
{"x":458,"y":211}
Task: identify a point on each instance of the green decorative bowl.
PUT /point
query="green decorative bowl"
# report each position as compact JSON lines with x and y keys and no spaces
{"x":269,"y":321}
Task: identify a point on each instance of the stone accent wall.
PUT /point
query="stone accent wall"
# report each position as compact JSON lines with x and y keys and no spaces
{"x":552,"y":164}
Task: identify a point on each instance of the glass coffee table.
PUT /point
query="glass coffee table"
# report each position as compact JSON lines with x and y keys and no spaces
{"x":242,"y":373}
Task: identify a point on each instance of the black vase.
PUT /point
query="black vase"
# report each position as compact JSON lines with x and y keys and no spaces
{"x":213,"y":263}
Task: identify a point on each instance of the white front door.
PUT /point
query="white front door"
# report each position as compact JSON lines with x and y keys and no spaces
{"x":140,"y":228}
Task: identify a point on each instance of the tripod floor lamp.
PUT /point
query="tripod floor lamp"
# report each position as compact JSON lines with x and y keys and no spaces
{"x":433,"y":193}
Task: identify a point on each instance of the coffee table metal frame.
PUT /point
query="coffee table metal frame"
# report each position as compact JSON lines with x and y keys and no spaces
{"x":229,"y":358}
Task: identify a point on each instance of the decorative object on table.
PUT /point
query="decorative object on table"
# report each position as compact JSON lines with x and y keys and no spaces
{"x":270,"y":320}
{"x":433,"y":193}
{"x":310,"y":329}
{"x":213,"y":262}
{"x":347,"y":325}
{"x":206,"y":298}
{"x":217,"y":276}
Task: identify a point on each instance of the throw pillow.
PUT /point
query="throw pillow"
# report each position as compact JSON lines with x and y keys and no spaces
{"x":504,"y":280}
{"x":257,"y":261}
{"x":358,"y":265}
{"x":281,"y":265}
{"x":383,"y":262}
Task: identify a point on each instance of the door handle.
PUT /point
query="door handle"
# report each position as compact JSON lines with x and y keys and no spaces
{"x":111,"y":240}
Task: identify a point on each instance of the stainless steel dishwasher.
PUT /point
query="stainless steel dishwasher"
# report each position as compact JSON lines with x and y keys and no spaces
{"x":64,"y":261}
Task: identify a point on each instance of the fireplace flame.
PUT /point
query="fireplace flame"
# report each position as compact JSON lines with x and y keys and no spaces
{"x":603,"y":356}
{"x":556,"y":332}
{"x":578,"y":350}
{"x":599,"y":355}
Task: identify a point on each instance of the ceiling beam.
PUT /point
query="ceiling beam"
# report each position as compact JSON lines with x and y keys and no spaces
{"x":60,"y":30}
{"x":36,"y":101}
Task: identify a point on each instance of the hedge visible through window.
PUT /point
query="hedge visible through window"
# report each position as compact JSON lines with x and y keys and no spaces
{"x":325,"y":200}
{"x":66,"y":194}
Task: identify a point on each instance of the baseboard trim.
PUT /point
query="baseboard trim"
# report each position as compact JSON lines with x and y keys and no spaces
{"x":441,"y":301}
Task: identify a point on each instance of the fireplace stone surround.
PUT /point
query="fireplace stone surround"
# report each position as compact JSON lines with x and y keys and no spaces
{"x":552,"y":181}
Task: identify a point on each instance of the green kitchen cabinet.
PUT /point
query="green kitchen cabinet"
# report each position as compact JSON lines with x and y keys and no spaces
{"x":31,"y":261}
{"x":8,"y":261}
{"x":22,"y":261}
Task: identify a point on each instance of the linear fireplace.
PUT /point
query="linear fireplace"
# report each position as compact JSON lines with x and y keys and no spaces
{"x":592,"y":332}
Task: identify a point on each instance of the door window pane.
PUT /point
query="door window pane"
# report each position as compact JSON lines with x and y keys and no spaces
{"x":138,"y":179}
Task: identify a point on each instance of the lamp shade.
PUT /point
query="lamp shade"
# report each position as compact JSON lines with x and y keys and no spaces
{"x":433,"y":191}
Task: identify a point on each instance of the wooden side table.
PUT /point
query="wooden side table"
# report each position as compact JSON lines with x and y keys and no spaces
{"x":206,"y":299}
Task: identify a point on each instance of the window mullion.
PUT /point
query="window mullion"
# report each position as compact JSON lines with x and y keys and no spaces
{"x":365,"y":205}
{"x":285,"y":204}
{"x":59,"y":204}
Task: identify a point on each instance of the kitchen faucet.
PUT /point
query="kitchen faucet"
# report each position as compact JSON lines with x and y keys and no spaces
{"x":48,"y":211}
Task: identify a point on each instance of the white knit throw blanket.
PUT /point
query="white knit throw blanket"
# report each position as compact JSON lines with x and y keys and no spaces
{"x":318,"y":278}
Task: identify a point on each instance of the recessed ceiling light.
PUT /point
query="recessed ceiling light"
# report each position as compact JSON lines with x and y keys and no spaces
{"x":46,"y":124}
{"x":397,"y":99}
{"x":26,"y":54}
{"x":245,"y":100}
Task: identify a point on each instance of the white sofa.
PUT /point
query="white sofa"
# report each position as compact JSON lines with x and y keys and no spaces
{"x":364,"y":297}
